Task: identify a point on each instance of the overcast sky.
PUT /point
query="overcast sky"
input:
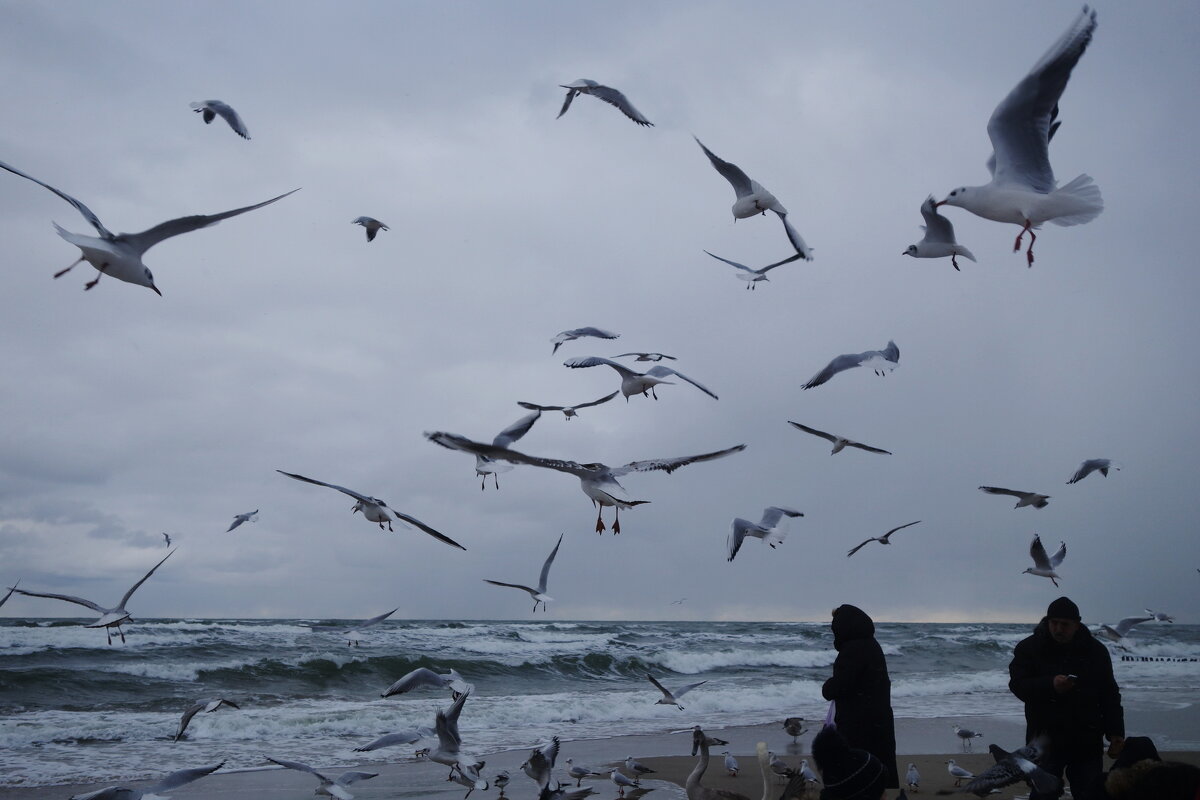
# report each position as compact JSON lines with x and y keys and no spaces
{"x":284,"y":340}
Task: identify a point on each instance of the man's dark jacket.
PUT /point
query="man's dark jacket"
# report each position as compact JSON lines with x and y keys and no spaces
{"x":862,"y":689}
{"x":1076,"y":721}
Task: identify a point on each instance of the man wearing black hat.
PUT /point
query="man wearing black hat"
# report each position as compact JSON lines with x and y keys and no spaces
{"x":1064,"y":676}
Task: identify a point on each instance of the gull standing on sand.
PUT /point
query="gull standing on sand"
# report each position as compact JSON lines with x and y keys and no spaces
{"x":377,"y":511}
{"x":422,"y":676}
{"x":753,"y":199}
{"x":501,"y":780}
{"x":913,"y":777}
{"x":839,"y":442}
{"x":885,"y":539}
{"x":1023,"y":498}
{"x":1023,"y":190}
{"x":351,"y":634}
{"x":731,"y":764}
{"x":772,"y":529}
{"x":486,"y":466}
{"x":670,"y":698}
{"x":579,"y":333}
{"x":965,"y":735}
{"x":636,"y":767}
{"x":207,"y":706}
{"x":1101,"y":465}
{"x":1043,"y":565}
{"x":579,"y":772}
{"x":210,"y":109}
{"x":794,"y":726}
{"x":332,"y":787}
{"x":597,"y":481}
{"x":880,"y":361}
{"x":1120,"y":631}
{"x":539,"y":594}
{"x":753,"y":276}
{"x":372,"y":225}
{"x":621,"y":782}
{"x":635,"y":382}
{"x":939,"y":237}
{"x":120,"y":254}
{"x":605,"y":93}
{"x":109,"y":617}
{"x":172,"y":781}
{"x":249,"y":516}
{"x":568,"y":411}
{"x":958,"y":773}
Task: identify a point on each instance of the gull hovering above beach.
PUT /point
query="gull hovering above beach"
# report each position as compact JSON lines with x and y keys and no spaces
{"x":249,"y":516}
{"x":540,"y":764}
{"x":1023,"y":190}
{"x":839,"y":442}
{"x":539,"y":594}
{"x":880,"y":361}
{"x":120,"y":254}
{"x":172,"y":781}
{"x":958,"y":773}
{"x":332,"y":787}
{"x":207,"y":706}
{"x":753,"y":199}
{"x":376,"y":510}
{"x":597,"y":481}
{"x":1118,"y":632}
{"x":772,"y":529}
{"x":409,"y":736}
{"x":605,"y":93}
{"x":1043,"y":565}
{"x":422,"y":676}
{"x":939,"y":239}
{"x":753,"y":276}
{"x":579,"y":333}
{"x":881,"y":539}
{"x":372,"y":225}
{"x":210,"y":109}
{"x":636,"y":382}
{"x":671,"y":698}
{"x":448,"y":751}
{"x":1023,"y":498}
{"x":568,"y":411}
{"x":351,"y":634}
{"x":648,"y":356}
{"x":109,"y":617}
{"x":486,"y":466}
{"x":1011,"y":768}
{"x":1101,"y":465}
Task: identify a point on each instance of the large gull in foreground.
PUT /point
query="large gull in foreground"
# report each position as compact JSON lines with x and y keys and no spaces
{"x":670,"y":697}
{"x":1023,"y":190}
{"x":120,"y":254}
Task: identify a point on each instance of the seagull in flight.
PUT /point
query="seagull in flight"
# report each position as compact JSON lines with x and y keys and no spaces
{"x":1159,"y":616}
{"x":109,"y":617}
{"x":1023,"y":190}
{"x":1011,"y":768}
{"x":334,"y":787}
{"x":210,"y":109}
{"x":486,"y":466}
{"x":1023,"y":498}
{"x":772,"y":529}
{"x":939,"y":239}
{"x":1118,"y":632}
{"x":881,"y":539}
{"x":1044,"y":565}
{"x":411,"y":736}
{"x":172,"y":781}
{"x":839,"y":442}
{"x":597,"y":481}
{"x":568,"y":411}
{"x":120,"y":254}
{"x":1101,"y":465}
{"x":377,"y":511}
{"x":636,"y":382}
{"x":351,"y":634}
{"x":422,"y":676}
{"x":249,"y":516}
{"x":753,"y":199}
{"x":539,"y":594}
{"x":167,"y":538}
{"x":372,"y":225}
{"x":579,"y":333}
{"x":648,"y":356}
{"x":880,"y":361}
{"x":207,"y":706}
{"x":13,"y":588}
{"x":753,"y":276}
{"x":605,"y":93}
{"x":669,"y":697}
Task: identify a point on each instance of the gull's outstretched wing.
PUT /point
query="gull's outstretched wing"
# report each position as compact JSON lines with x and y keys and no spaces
{"x":366,"y":623}
{"x":802,"y":249}
{"x":772,"y":515}
{"x":134,"y":588}
{"x":1124,"y":626}
{"x":604,"y":399}
{"x":595,"y":361}
{"x":669,"y":465}
{"x":660,"y":371}
{"x":567,"y":101}
{"x":516,"y":430}
{"x":998,"y":490}
{"x":67,"y":597}
{"x":536,"y":407}
{"x":576,"y":333}
{"x":455,"y":442}
{"x":839,"y":364}
{"x":545,"y":576}
{"x":141,"y":242}
{"x":421,"y":676}
{"x":682,"y":690}
{"x":937,"y":228}
{"x":868,"y":448}
{"x":827,"y":436}
{"x":182,"y":776}
{"x":615,"y":98}
{"x":900,"y":528}
{"x":738,"y":530}
{"x":1059,"y":555}
{"x":732,"y":173}
{"x":87,"y":213}
{"x":210,"y":107}
{"x":856,"y":548}
{"x":1038,"y":553}
{"x":522,"y":587}
{"x":361,"y":497}
{"x":666,"y":692}
{"x":399,"y":737}
{"x":11,"y":589}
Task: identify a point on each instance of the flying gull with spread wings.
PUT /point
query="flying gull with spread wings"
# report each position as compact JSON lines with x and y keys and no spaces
{"x":839,"y":442}
{"x":568,"y":411}
{"x":633,"y":382}
{"x":885,"y":539}
{"x":1044,"y":565}
{"x":211,"y":109}
{"x":579,"y":333}
{"x":772,"y":529}
{"x":880,"y":361}
{"x":539,"y":594}
{"x":605,"y":93}
{"x":939,"y":239}
{"x":1023,"y":498}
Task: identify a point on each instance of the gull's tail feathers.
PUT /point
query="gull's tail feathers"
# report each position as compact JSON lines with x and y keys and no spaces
{"x":1077,"y":202}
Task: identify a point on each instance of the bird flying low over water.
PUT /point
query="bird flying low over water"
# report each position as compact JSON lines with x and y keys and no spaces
{"x":568,"y":411}
{"x":1120,"y":631}
{"x":411,"y":736}
{"x":753,"y":199}
{"x":772,"y":529}
{"x":120,"y":254}
{"x":633,"y":382}
{"x":172,"y":781}
{"x":671,"y":697}
{"x":1023,"y":498}
{"x":372,"y":225}
{"x":1023,"y":190}
{"x":939,"y":239}
{"x":422,"y":676}
{"x":605,"y":93}
{"x":597,"y":481}
{"x":377,"y":511}
{"x":753,"y":276}
{"x":1044,"y":565}
{"x":1101,"y":465}
{"x":207,"y":706}
{"x":351,"y":634}
{"x":579,"y":333}
{"x":539,"y":594}
{"x":839,"y":442}
{"x":210,"y":109}
{"x":885,"y":539}
{"x":880,"y":361}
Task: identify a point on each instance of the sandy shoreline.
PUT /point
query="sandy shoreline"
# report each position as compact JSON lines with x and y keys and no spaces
{"x":926,"y":742}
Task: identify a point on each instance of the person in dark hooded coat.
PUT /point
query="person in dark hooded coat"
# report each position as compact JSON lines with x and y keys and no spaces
{"x":862,"y":689}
